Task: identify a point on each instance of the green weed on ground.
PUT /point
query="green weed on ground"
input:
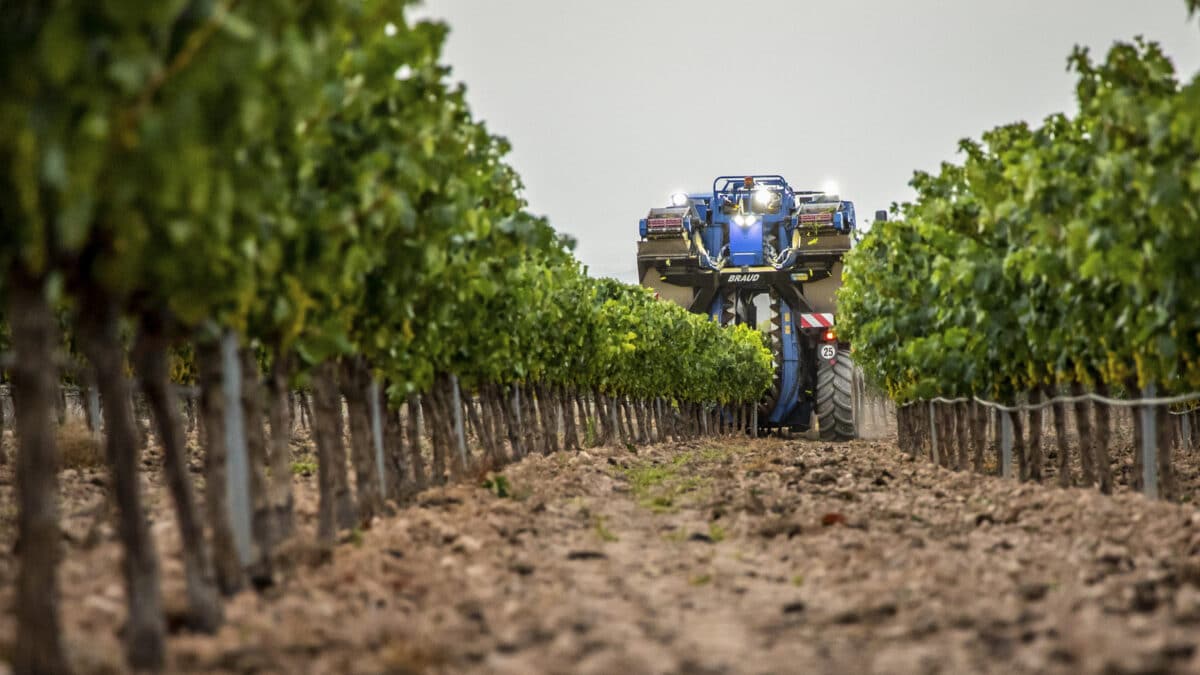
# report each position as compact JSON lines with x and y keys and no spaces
{"x":498,"y":485}
{"x":661,"y":487}
{"x":602,"y":531}
{"x":304,"y":467}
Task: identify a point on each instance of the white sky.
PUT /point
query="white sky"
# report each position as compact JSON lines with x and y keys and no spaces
{"x":612,"y":105}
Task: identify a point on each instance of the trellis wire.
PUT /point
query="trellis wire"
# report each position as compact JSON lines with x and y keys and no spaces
{"x":1025,"y":407}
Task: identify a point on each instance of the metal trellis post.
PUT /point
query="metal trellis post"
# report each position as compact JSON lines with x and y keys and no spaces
{"x":933,"y":435}
{"x":1149,"y":446}
{"x":373,"y":395}
{"x":237,"y":464}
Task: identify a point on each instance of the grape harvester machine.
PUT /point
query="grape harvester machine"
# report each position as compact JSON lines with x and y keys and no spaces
{"x":756,"y":251}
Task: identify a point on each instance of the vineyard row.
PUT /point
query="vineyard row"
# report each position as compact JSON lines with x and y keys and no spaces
{"x":1058,"y":258}
{"x":960,"y":433}
{"x":272,"y":196}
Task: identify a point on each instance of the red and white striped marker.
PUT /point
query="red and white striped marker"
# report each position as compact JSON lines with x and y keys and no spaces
{"x":816,"y":320}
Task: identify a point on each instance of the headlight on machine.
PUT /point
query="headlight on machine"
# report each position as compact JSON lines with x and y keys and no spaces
{"x":679,"y":199}
{"x":762,"y":198}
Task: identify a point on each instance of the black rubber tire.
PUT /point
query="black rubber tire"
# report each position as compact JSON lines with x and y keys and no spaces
{"x":835,"y":398}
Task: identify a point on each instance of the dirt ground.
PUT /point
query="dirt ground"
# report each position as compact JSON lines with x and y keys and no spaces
{"x":723,"y":556}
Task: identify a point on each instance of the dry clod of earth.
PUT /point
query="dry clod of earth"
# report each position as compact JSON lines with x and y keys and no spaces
{"x":727,"y":556}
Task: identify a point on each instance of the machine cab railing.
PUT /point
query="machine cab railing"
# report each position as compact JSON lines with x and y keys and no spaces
{"x":736,"y":185}
{"x":732,"y":192}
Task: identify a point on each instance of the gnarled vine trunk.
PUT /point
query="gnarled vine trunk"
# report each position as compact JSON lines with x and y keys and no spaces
{"x":1060,"y":438}
{"x":1165,"y":440}
{"x":513,"y":421}
{"x":903,"y":435}
{"x":415,"y":451}
{"x":280,"y":418}
{"x":34,"y":330}
{"x":335,"y":503}
{"x":587,"y":425}
{"x":396,"y":455}
{"x":978,"y":435}
{"x":3,"y":424}
{"x":435,"y":414}
{"x":622,"y":433}
{"x":570,"y":434}
{"x":962,"y":419}
{"x":151,"y":362}
{"x":946,"y":434}
{"x":355,"y":381}
{"x":483,"y":435}
{"x":1035,"y":436}
{"x":504,"y":423}
{"x":604,"y":419}
{"x":457,"y":428}
{"x":534,"y":438}
{"x":546,"y":409}
{"x":306,"y":413}
{"x":1018,"y":441}
{"x":1083,"y":428}
{"x":100,"y":340}
{"x":639,"y":410}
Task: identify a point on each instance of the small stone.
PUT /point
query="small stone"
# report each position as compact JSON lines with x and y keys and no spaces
{"x":521,"y":567}
{"x":834,"y":518}
{"x":795,"y":607}
{"x":924,"y":626}
{"x":105,"y":605}
{"x":1033,"y":591}
{"x":780,"y":526}
{"x":1145,"y":597}
{"x":1114,"y":555}
{"x":866,"y":614}
{"x":1187,"y":605}
{"x":1179,"y":650}
{"x":821,"y":477}
{"x":466,"y":544}
{"x":1194,"y":546}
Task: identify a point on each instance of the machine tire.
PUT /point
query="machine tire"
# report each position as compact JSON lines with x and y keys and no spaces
{"x":835,"y":398}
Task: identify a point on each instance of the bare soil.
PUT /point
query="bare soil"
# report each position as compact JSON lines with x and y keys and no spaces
{"x":723,"y":556}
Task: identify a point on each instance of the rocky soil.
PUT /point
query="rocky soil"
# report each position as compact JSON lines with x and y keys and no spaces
{"x":725,"y":556}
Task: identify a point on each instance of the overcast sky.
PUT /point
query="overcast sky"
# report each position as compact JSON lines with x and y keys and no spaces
{"x":612,"y":105}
